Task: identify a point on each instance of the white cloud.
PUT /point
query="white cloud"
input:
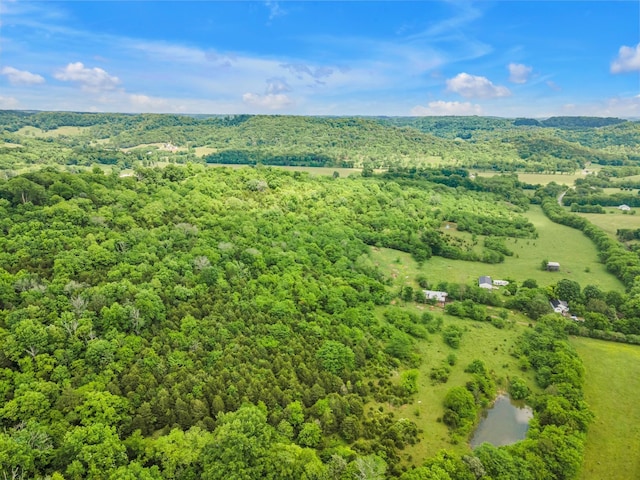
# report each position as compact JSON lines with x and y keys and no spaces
{"x":9,"y":102}
{"x":270,"y":101}
{"x":147,"y":103}
{"x":441,"y":107}
{"x":21,"y":77}
{"x":90,"y":79}
{"x":628,"y":60}
{"x":519,"y":73}
{"x":472,"y":86}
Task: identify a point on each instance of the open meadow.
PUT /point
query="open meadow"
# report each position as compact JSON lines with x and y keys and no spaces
{"x":69,"y":131}
{"x":576,"y":254}
{"x":480,"y":340}
{"x":611,"y":389}
{"x":542,"y":178}
{"x":613,"y":220}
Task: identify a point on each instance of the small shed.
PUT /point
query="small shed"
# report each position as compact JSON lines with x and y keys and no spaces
{"x":553,"y":266}
{"x":500,"y":283}
{"x":438,"y":296}
{"x":485,"y":282}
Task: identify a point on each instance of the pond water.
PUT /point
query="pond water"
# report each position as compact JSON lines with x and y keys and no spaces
{"x":506,"y":422}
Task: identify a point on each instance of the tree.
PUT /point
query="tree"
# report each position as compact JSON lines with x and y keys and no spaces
{"x":568,"y":290}
{"x":460,"y":408}
{"x":92,"y":451}
{"x":310,"y":435}
{"x":451,"y":334}
{"x":241,"y":446}
{"x":335,"y":357}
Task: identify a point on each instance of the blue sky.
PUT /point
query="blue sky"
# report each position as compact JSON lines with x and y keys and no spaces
{"x":500,"y":58}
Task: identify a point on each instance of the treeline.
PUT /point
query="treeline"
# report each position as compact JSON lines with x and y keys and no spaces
{"x":600,"y":199}
{"x":247,"y":157}
{"x":110,"y":123}
{"x":570,"y":122}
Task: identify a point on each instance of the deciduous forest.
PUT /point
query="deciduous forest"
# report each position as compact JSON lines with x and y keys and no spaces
{"x":175,"y":305}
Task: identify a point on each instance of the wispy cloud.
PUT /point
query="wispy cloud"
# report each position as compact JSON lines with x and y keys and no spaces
{"x":300,"y":70}
{"x":148,"y":104}
{"x":90,"y":79}
{"x":441,"y":107}
{"x":275,"y":9}
{"x":519,"y":73}
{"x":472,"y":86}
{"x":553,"y":85}
{"x":628,"y":60}
{"x":269,"y":101}
{"x":21,"y":77}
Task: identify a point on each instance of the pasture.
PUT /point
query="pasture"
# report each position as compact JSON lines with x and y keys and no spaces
{"x":480,"y":340}
{"x":614,"y":219}
{"x":56,"y":132}
{"x":576,"y":254}
{"x":542,"y":178}
{"x":611,"y":390}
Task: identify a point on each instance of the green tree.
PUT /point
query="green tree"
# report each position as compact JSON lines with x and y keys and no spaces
{"x":335,"y":357}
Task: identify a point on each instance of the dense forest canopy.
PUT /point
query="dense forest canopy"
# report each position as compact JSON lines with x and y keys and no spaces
{"x":180,"y":321}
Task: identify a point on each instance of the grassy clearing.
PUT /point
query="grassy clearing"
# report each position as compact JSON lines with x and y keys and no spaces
{"x":56,"y":132}
{"x":202,"y":151}
{"x":612,"y":390}
{"x":543,"y":178}
{"x":556,"y":243}
{"x":480,"y":341}
{"x":632,"y":178}
{"x":614,"y":219}
{"x":154,"y":146}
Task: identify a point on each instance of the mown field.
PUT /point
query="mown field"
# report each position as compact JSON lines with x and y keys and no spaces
{"x":612,"y":386}
{"x":56,"y":132}
{"x":614,"y":219}
{"x":557,"y":243}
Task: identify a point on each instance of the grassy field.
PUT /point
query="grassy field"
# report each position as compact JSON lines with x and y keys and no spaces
{"x":542,"y":178}
{"x":202,"y":151}
{"x":613,"y":219}
{"x":556,"y":243}
{"x":612,"y":390}
{"x":480,"y":341}
{"x":56,"y":132}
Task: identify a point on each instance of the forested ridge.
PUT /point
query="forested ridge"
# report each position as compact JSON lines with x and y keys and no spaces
{"x":561,"y":144}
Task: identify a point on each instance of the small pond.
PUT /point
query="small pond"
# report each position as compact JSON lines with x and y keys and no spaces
{"x":506,"y":422}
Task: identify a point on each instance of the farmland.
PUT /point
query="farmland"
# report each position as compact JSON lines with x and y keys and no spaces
{"x":613,"y":441}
